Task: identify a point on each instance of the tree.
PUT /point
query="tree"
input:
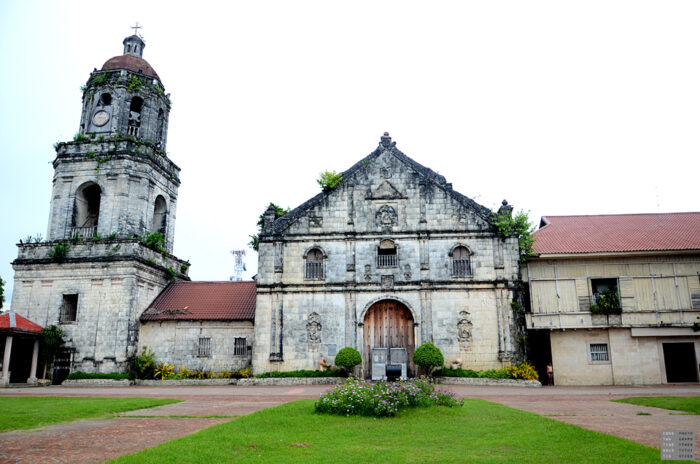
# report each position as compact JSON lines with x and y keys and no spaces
{"x":328,"y":180}
{"x":2,"y":292}
{"x":347,"y":358}
{"x":51,"y":341}
{"x":255,"y":239}
{"x":428,"y":356}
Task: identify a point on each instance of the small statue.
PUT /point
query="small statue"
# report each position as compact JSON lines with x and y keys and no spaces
{"x":323,"y":364}
{"x":456,"y":364}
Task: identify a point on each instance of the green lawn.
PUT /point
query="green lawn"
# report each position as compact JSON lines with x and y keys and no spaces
{"x":478,"y":432}
{"x":689,"y":404}
{"x":28,"y":412}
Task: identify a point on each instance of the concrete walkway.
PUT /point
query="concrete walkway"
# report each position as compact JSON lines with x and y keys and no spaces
{"x":96,"y":440}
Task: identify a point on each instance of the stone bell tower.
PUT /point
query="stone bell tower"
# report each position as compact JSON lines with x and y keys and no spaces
{"x":112,"y":219}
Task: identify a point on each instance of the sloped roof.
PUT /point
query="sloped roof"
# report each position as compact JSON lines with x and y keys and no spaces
{"x":131,"y":63}
{"x":224,"y":301}
{"x":385,"y":144}
{"x":618,"y":233}
{"x":13,"y":322}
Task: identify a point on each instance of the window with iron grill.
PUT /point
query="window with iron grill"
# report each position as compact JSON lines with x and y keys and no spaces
{"x":239,"y":348}
{"x":599,"y":352}
{"x":386,"y":254}
{"x":204,"y":347}
{"x":314,"y":265}
{"x":461,"y":266}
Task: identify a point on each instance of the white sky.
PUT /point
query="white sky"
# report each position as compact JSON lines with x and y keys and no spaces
{"x":588,"y":107}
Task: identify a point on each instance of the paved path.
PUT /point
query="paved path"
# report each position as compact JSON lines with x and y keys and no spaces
{"x":95,"y":440}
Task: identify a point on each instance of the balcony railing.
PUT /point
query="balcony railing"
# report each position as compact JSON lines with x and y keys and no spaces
{"x":314,"y":270}
{"x":386,"y":261}
{"x":85,"y":233}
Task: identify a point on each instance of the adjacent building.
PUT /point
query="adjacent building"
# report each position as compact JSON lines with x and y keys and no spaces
{"x":615,"y":299}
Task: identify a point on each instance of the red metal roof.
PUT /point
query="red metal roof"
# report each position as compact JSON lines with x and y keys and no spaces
{"x":131,"y":63}
{"x":13,"y":322}
{"x":203,"y":300}
{"x":618,"y":233}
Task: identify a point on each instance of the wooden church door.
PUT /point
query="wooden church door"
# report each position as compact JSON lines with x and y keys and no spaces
{"x":388,"y":324}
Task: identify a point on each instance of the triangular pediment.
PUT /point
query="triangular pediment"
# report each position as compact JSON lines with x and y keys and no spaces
{"x":385,"y":191}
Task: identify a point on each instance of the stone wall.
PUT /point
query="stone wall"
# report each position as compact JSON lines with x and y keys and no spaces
{"x":115,"y":281}
{"x":177,"y":343}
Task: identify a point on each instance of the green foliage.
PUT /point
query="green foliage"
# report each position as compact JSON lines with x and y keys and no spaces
{"x":689,"y":404}
{"x":144,"y":365}
{"x":303,"y":373}
{"x":185,"y":373}
{"x":153,"y":240}
{"x":348,"y":358}
{"x":184,"y":268}
{"x":607,"y":302}
{"x":255,"y":239}
{"x":134,"y":83}
{"x":428,"y":356}
{"x":112,"y":236}
{"x":38,"y":238}
{"x":2,"y":292}
{"x":520,"y":227}
{"x":170,"y":274}
{"x":59,"y":251}
{"x":31,"y":412}
{"x":51,"y":341}
{"x":328,"y":180}
{"x":56,"y":145}
{"x":77,"y":375}
{"x":383,"y":399}
{"x":163,"y":370}
{"x":81,"y":138}
{"x":99,"y":79}
{"x":522,"y":371}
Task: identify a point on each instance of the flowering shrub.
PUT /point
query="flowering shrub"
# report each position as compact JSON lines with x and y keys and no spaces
{"x":383,"y":399}
{"x":524,"y":370}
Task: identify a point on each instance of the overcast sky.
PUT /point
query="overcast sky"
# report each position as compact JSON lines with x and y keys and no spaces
{"x":589,"y":107}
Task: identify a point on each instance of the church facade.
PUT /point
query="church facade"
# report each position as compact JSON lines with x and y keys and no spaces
{"x":389,"y":259}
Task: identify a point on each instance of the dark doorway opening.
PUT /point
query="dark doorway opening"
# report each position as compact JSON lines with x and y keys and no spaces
{"x":681,"y":364}
{"x":539,"y":351}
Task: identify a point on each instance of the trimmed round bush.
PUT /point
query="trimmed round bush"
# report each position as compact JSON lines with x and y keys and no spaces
{"x":428,"y":356}
{"x":348,"y":358}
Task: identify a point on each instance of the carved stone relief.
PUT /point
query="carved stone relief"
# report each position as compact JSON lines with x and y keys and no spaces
{"x":315,"y":221}
{"x":407,"y":272}
{"x":368,"y":273}
{"x":387,"y":281}
{"x":313,"y":328}
{"x":386,"y":172}
{"x":464,"y":330}
{"x":386,"y":217}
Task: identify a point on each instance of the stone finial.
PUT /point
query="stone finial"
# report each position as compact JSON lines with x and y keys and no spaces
{"x":505,"y":209}
{"x":133,"y":45}
{"x":269,"y":219}
{"x":386,"y":141}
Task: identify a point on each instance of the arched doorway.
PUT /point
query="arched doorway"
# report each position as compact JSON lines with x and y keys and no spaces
{"x":388,"y":324}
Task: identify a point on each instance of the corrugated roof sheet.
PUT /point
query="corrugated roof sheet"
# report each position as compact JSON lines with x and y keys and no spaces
{"x":618,"y":233}
{"x":203,"y":300}
{"x":13,"y":322}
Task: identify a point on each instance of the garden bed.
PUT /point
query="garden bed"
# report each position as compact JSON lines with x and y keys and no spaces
{"x":96,"y":383}
{"x":486,"y":382}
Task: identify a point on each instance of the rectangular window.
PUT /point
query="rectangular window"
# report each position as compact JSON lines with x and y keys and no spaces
{"x":204,"y":347}
{"x":599,"y":352}
{"x":239,"y":347}
{"x":461,"y":268}
{"x":314,"y":270}
{"x":69,"y":308}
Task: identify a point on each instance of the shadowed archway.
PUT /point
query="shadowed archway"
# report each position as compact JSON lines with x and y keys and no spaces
{"x":388,"y":324}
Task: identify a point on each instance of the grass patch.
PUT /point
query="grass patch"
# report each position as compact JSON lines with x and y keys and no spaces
{"x":689,"y":404}
{"x":28,"y":412}
{"x":478,"y":432}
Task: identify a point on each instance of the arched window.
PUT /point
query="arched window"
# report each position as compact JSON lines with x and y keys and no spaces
{"x":135,"y":116}
{"x":386,"y":254}
{"x":461,"y":265}
{"x":161,"y":124}
{"x":314,"y":265}
{"x":86,"y":210}
{"x":160,"y":216}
